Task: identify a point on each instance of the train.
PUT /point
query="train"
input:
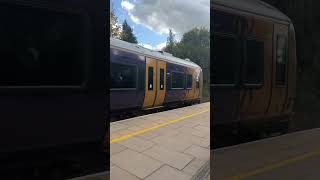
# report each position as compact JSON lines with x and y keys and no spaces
{"x":144,"y":79}
{"x":53,"y":90}
{"x":253,"y":70}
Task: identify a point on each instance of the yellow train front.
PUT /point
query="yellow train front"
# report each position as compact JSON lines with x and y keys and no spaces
{"x":253,"y":70}
{"x":144,"y":79}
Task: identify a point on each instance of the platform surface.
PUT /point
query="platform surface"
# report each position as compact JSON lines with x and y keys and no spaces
{"x":98,"y":176}
{"x":294,"y":156}
{"x":173,"y":144}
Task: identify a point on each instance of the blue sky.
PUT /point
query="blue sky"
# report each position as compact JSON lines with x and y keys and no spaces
{"x":152,"y":19}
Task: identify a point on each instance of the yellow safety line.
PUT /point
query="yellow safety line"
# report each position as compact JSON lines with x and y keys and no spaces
{"x":155,"y":127}
{"x":275,"y":165}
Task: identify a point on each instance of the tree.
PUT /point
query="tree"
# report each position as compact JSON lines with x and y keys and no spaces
{"x":127,"y":33}
{"x":171,"y":43}
{"x":194,"y":45}
{"x":115,"y":29}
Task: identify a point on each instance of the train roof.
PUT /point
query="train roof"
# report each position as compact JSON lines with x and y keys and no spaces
{"x":254,"y":6}
{"x":155,"y":54}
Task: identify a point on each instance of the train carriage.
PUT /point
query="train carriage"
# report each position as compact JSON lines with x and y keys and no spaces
{"x":143,"y":79}
{"x":52,"y":88}
{"x":253,"y":71}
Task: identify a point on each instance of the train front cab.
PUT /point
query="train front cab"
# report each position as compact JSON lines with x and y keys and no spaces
{"x":253,"y":71}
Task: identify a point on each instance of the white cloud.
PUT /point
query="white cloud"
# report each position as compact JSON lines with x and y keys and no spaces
{"x":127,"y":5}
{"x":161,"y":46}
{"x":148,"y":46}
{"x":161,"y":15}
{"x":156,"y":48}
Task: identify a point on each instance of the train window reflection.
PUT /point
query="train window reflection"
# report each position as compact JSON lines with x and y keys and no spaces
{"x":161,"y":79}
{"x":178,"y":80}
{"x":254,"y":63}
{"x":281,"y":60}
{"x":123,"y":76}
{"x":40,"y":47}
{"x":226,"y":56}
{"x":150,"y":78}
{"x":189,"y":81}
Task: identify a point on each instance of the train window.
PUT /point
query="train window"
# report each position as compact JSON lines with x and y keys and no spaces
{"x":123,"y":76}
{"x":161,"y":79}
{"x":281,"y":60}
{"x":254,"y":71}
{"x":189,"y":81}
{"x":150,"y":78}
{"x":225,"y":62}
{"x":178,"y":80}
{"x":223,"y":22}
{"x":40,"y":47}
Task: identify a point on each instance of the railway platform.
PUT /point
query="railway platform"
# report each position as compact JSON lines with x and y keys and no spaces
{"x":170,"y":145}
{"x":293,"y":156}
{"x":173,"y":144}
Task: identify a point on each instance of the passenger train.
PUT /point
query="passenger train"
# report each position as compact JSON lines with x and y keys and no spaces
{"x":143,"y":79}
{"x":253,"y":70}
{"x":53,"y":88}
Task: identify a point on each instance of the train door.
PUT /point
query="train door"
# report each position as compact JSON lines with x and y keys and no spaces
{"x":225,"y":69}
{"x":255,"y":79}
{"x":280,"y":62}
{"x":292,"y":70}
{"x":161,"y":83}
{"x":190,"y":83}
{"x":150,"y":83}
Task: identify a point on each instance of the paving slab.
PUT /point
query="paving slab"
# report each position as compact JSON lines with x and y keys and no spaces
{"x":136,"y":144}
{"x":174,"y":159}
{"x":117,"y":173}
{"x":135,"y":163}
{"x":172,"y":143}
{"x":198,"y":152}
{"x":168,"y":173}
{"x":116,"y":148}
{"x":193,"y":166}
{"x":170,"y":151}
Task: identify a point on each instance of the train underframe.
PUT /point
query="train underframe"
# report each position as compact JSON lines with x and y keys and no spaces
{"x":133,"y":112}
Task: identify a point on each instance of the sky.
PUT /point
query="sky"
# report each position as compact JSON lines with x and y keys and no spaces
{"x":152,"y":19}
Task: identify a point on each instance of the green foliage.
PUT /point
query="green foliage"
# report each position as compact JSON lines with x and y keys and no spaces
{"x":194,"y":45}
{"x":115,"y":29}
{"x":171,"y":42}
{"x":127,"y":33}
